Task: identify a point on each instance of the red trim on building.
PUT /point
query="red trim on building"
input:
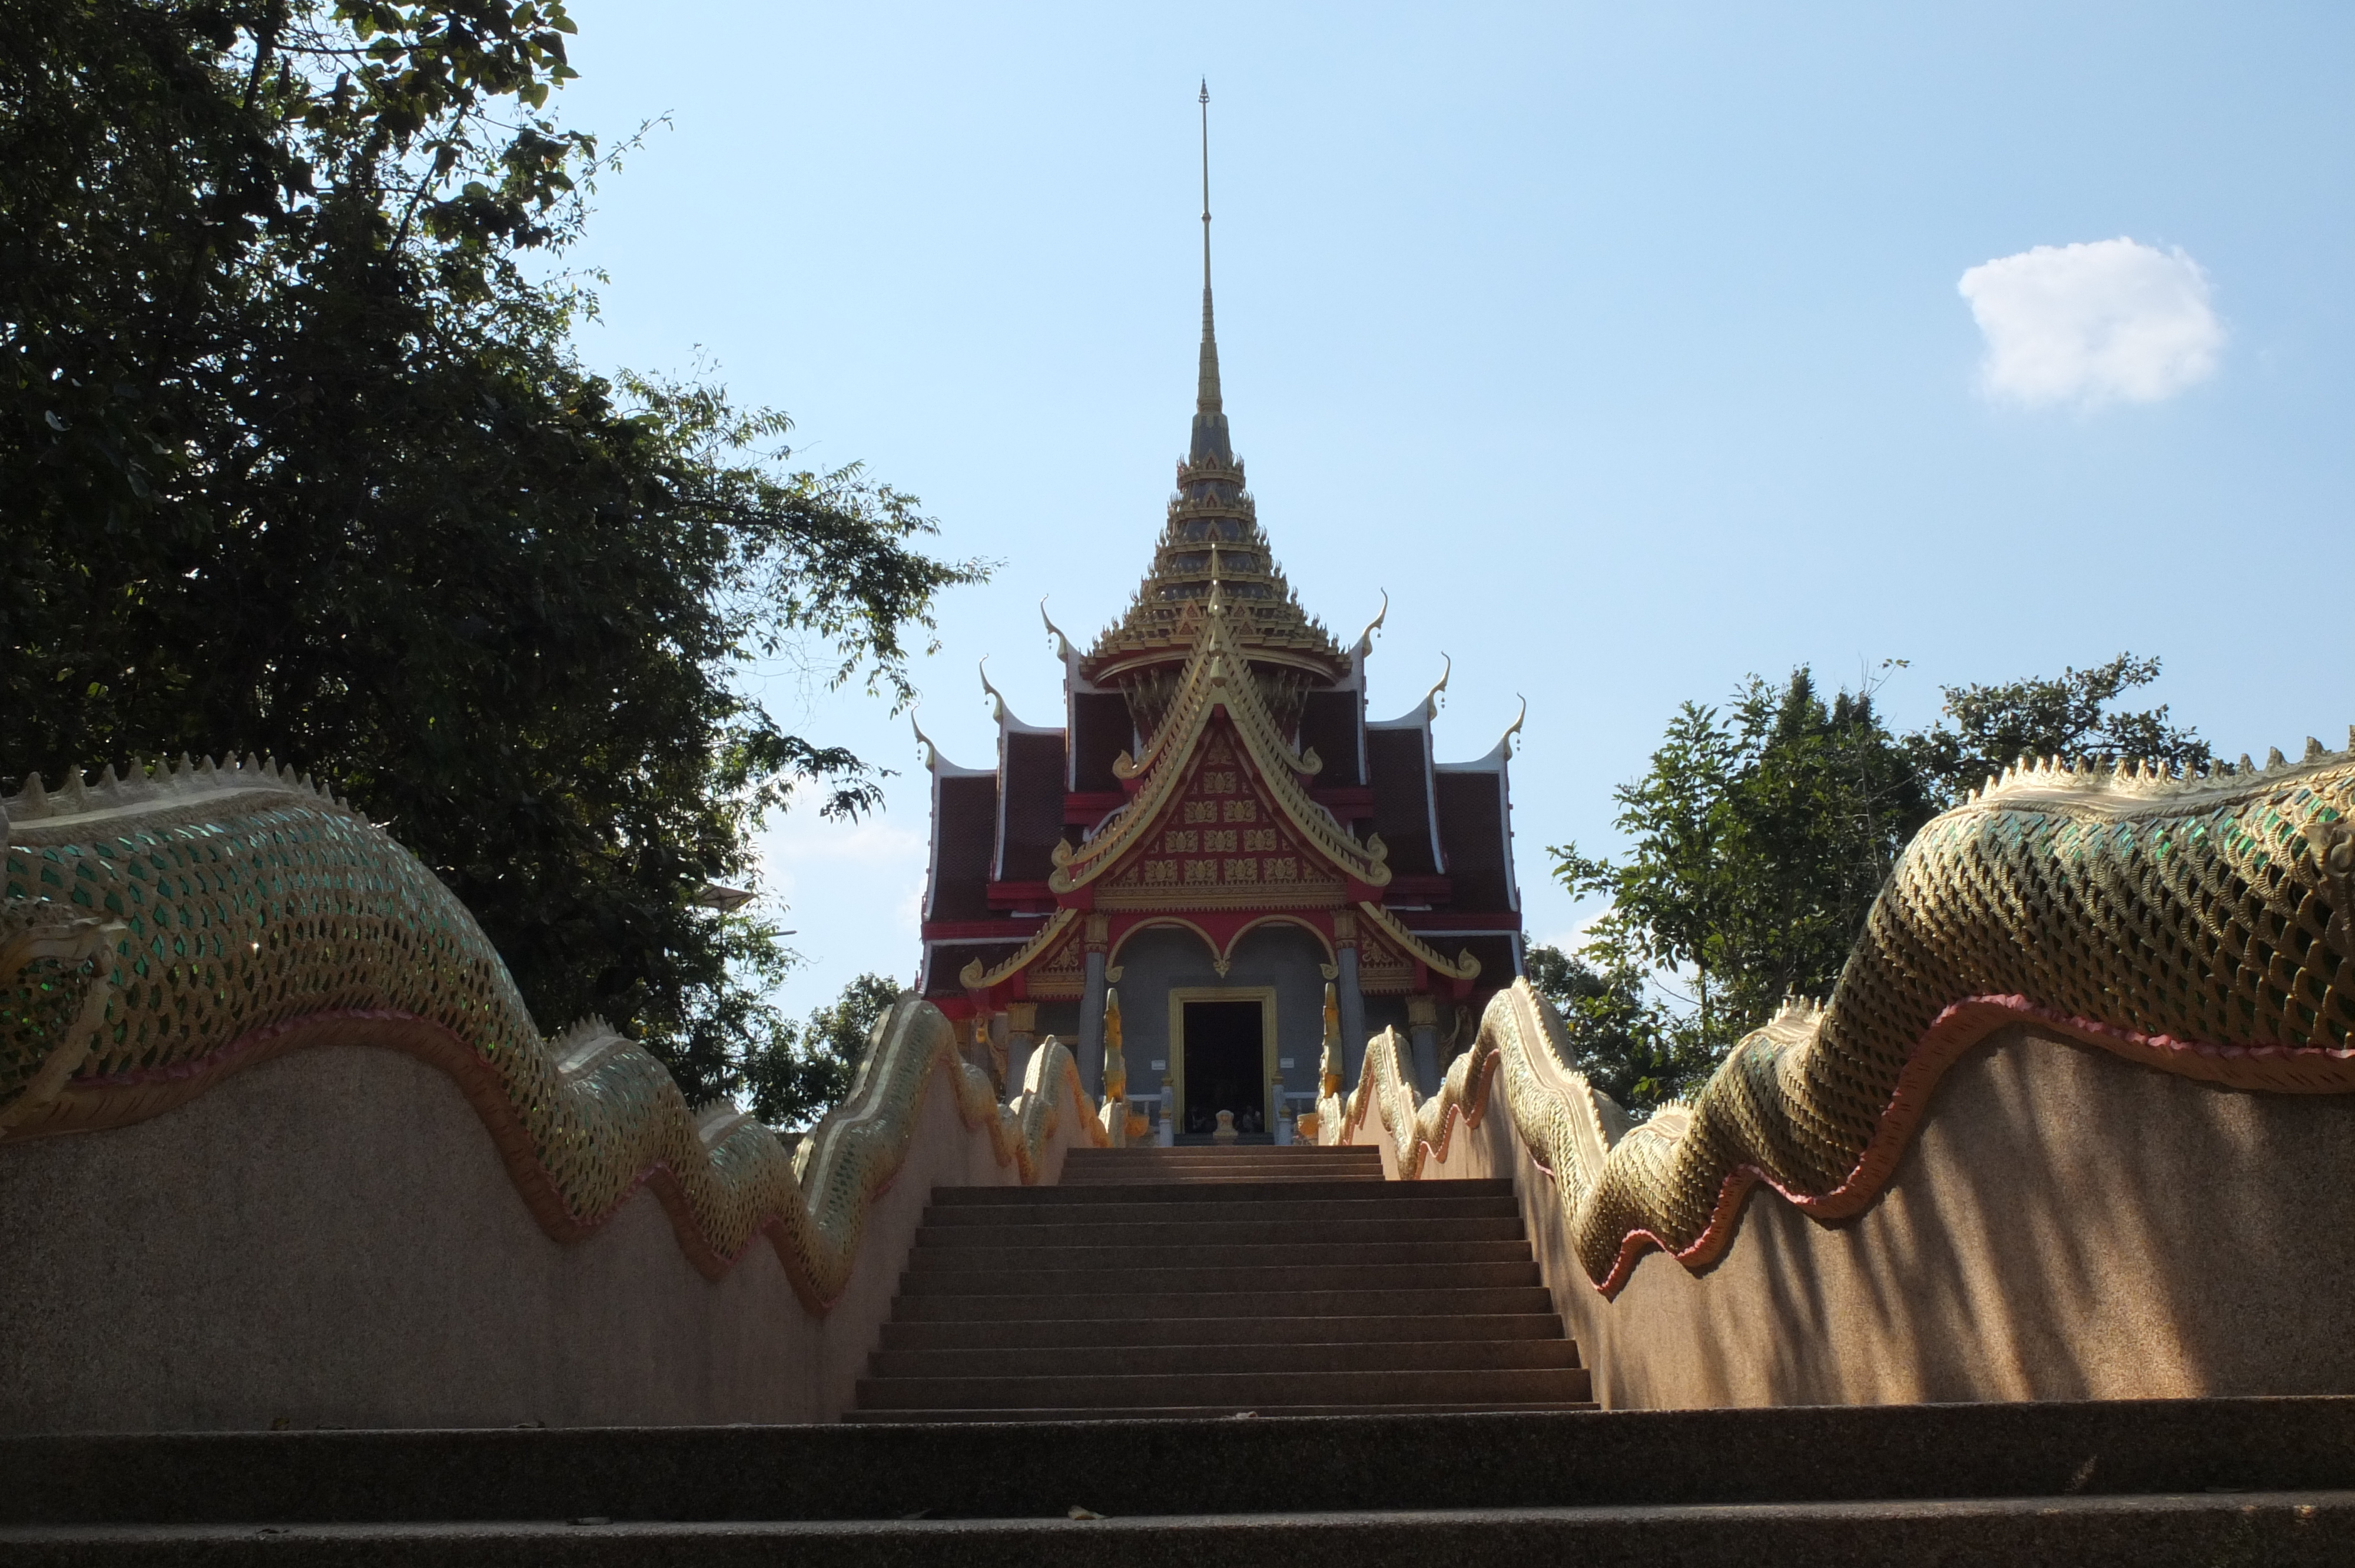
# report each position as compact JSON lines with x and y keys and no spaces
{"x":1350,"y":803}
{"x":1014,"y":928}
{"x":1421,"y":920}
{"x":1419,"y":890}
{"x":1086,"y":808}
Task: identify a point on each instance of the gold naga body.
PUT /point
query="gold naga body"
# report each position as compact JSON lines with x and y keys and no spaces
{"x":160,"y":933}
{"x":2199,"y":925}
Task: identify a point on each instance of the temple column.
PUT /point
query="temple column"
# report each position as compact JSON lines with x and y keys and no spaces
{"x":992,"y":1045}
{"x":1422,"y":1033}
{"x":1021,"y":1039}
{"x":1091,"y":1007}
{"x":1353,"y":1001}
{"x":973,"y":1033}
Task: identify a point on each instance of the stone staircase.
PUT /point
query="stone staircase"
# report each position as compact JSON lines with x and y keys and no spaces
{"x":1031,"y":1294}
{"x":2151,"y":1484}
{"x":1205,"y":1282}
{"x":1244,"y":1163}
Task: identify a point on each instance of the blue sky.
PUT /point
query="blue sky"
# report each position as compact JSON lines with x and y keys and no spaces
{"x":1623,"y":346}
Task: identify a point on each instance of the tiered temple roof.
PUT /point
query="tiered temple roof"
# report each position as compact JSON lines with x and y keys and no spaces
{"x":1215,"y":771}
{"x":1212,"y":541}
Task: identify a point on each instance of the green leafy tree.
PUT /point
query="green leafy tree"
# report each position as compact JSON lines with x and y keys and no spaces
{"x":1761,"y":835}
{"x":1992,"y":727}
{"x":1825,"y":802}
{"x":297,"y":458}
{"x":798,"y":1074}
{"x":1672,"y":898}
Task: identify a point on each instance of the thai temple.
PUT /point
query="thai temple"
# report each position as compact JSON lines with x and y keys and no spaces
{"x":1218,"y":828}
{"x":1225,"y":1191}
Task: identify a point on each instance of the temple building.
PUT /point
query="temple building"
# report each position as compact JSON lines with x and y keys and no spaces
{"x":1217,"y":830}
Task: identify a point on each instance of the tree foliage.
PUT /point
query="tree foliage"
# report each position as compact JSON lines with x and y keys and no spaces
{"x":296,"y":458}
{"x":1759,"y":837}
{"x":1992,"y":727}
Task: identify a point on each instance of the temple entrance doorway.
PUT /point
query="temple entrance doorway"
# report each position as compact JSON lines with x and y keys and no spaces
{"x":1224,"y":1062}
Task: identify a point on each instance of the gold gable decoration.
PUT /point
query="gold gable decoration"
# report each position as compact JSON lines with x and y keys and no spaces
{"x":973,"y":977}
{"x":1217,"y":677}
{"x":1221,"y":844}
{"x":1462,"y":966}
{"x":1382,"y":969}
{"x":1061,"y":975}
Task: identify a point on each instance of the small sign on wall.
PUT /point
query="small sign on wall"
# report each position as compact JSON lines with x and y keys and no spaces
{"x":1284,"y":1062}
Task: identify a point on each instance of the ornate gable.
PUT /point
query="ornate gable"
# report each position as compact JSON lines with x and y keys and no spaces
{"x":1061,"y":975}
{"x":1221,"y":842}
{"x":1384,"y":968}
{"x":1216,"y":692}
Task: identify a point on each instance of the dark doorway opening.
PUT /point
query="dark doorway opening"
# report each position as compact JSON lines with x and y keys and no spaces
{"x":1225,"y":1066}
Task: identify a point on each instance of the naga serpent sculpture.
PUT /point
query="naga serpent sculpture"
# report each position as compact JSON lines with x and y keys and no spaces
{"x":2199,"y":925}
{"x":158,"y":933}
{"x":161,"y":932}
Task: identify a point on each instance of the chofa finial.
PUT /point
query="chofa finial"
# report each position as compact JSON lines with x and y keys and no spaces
{"x":1365,"y":643}
{"x":1063,"y":643}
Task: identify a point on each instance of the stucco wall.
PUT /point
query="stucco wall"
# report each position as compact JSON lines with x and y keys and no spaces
{"x":2065,"y":1226}
{"x":330,"y":1239}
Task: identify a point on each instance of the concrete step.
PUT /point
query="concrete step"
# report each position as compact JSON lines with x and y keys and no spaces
{"x":1195,"y":1172}
{"x":931,"y":1258}
{"x":1183,"y":1360}
{"x":1365,"y":1157}
{"x":1241,"y":1152}
{"x":1200,"y":1234}
{"x":1246,"y":1280}
{"x":1210,"y":1412}
{"x":1144,"y":1152}
{"x":2280,"y":1529}
{"x":2120,"y":1452}
{"x":1256,"y":1174}
{"x":1253,"y":1177}
{"x":1213,"y":1194}
{"x":1119,"y":1332}
{"x":1279,"y":1267}
{"x":1242,"y":1391}
{"x":1215,"y":1304}
{"x":1216,"y":1207}
{"x":979,"y":1262}
{"x":1238,"y":1152}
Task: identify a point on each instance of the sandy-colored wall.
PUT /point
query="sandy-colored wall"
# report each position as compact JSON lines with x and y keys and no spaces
{"x":330,"y":1239}
{"x":2065,"y":1226}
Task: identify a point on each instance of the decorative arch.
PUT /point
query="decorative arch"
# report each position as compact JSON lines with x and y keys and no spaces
{"x":1218,"y":930}
{"x":1298,"y":919}
{"x":1163,"y":922}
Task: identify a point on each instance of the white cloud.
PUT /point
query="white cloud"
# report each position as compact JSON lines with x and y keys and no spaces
{"x":2093,"y":324}
{"x":1573,"y":941}
{"x":820,"y":868}
{"x":852,"y":893}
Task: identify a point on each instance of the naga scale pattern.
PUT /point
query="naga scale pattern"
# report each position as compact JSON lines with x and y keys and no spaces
{"x":2199,"y":925}
{"x":158,"y":933}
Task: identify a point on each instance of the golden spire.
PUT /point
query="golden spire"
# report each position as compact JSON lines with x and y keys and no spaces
{"x":1210,"y":413}
{"x":1213,"y":545}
